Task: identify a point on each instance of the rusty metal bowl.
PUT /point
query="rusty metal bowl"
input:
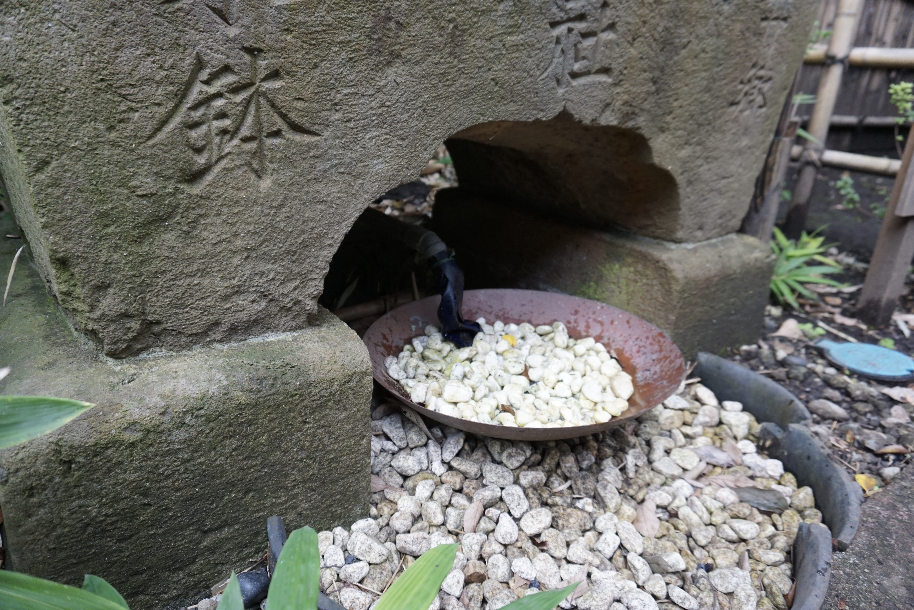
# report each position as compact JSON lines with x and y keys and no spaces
{"x":648,"y":355}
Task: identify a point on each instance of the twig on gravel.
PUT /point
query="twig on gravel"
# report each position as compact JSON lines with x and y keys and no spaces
{"x":367,"y":589}
{"x":391,"y":581}
{"x":834,"y":331}
{"x":256,"y":563}
{"x":846,"y":464}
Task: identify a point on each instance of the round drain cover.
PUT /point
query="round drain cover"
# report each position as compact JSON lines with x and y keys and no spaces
{"x":871,"y":361}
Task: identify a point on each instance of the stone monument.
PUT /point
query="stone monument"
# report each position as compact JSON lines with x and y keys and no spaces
{"x":182,"y":172}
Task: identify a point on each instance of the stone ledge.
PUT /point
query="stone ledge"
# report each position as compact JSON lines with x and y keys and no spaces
{"x":706,"y":296}
{"x":169,"y":479}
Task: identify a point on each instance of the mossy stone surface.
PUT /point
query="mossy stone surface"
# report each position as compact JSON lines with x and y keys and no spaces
{"x":165,"y":486}
{"x":185,"y":170}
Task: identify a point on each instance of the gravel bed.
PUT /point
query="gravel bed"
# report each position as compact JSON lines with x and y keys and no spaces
{"x":869,"y":431}
{"x":641,"y":515}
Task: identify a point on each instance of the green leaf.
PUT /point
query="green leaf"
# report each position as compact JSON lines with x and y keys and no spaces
{"x":789,"y":265}
{"x":94,"y":584}
{"x":544,"y":600}
{"x":22,"y":592}
{"x":797,"y":286}
{"x":296,"y":581}
{"x":231,"y":597}
{"x":786,"y":293}
{"x":805,"y":134}
{"x":781,"y":239}
{"x":815,"y":269}
{"x":886,"y":342}
{"x":23,"y":418}
{"x":419,"y":584}
{"x":827,"y":261}
{"x":777,"y":290}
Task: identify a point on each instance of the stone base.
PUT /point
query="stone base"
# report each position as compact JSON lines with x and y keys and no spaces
{"x":166,"y":485}
{"x":706,"y":296}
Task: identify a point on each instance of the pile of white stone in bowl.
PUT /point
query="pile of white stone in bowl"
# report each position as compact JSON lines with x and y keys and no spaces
{"x":514,"y":375}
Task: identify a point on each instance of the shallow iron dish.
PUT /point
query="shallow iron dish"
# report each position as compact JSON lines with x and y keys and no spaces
{"x":648,"y":355}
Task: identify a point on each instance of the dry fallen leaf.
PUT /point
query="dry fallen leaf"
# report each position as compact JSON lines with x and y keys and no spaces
{"x":378,"y":484}
{"x":472,"y":516}
{"x":836,"y":301}
{"x":790,"y":330}
{"x":728,"y":480}
{"x":713,"y":455}
{"x":900,"y":394}
{"x":898,"y":412}
{"x":893,"y":450}
{"x":647,"y":522}
{"x":733,"y":451}
{"x":866,"y":481}
{"x":744,"y":561}
{"x":845,"y":321}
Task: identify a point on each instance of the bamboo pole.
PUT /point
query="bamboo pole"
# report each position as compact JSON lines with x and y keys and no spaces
{"x":849,"y":120}
{"x":865,"y":57}
{"x":846,"y":160}
{"x":842,"y":38}
{"x":894,"y":249}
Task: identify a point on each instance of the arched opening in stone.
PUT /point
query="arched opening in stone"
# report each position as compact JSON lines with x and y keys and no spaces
{"x":559,"y":171}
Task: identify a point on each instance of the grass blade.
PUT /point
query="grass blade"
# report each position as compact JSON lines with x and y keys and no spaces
{"x":805,"y":134}
{"x":781,"y":239}
{"x":296,"y":582}
{"x":827,"y":261}
{"x":777,"y":289}
{"x":231,"y":597}
{"x":800,"y":288}
{"x":545,"y":600}
{"x":419,"y":584}
{"x":22,"y":592}
{"x":94,"y":584}
{"x":23,"y":418}
{"x":787,"y":294}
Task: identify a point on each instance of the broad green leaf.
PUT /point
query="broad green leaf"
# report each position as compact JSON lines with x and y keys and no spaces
{"x":94,"y":584}
{"x":23,"y":418}
{"x":296,"y":581}
{"x":545,"y":600}
{"x":419,"y":584}
{"x":231,"y":597}
{"x":22,"y":592}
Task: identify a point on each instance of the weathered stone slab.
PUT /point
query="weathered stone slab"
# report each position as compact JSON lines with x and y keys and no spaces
{"x":165,"y":486}
{"x":875,"y":572}
{"x":705,"y":296}
{"x":185,"y":170}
